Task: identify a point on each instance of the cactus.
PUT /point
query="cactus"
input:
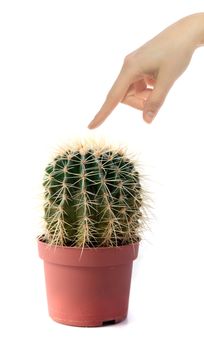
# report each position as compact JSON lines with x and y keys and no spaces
{"x":92,"y":197}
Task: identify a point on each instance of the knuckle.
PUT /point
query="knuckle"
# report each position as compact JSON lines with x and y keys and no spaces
{"x":128,"y":60}
{"x":155,"y":104}
{"x":132,"y":63}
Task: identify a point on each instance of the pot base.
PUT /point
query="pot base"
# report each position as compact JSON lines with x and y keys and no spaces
{"x":83,"y":323}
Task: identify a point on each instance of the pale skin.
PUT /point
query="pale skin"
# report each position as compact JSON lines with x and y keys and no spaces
{"x":149,"y":72}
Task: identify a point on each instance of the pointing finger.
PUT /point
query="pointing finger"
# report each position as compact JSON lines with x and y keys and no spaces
{"x":114,"y":96}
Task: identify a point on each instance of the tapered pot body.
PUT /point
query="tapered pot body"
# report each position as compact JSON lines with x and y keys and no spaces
{"x":89,"y":286}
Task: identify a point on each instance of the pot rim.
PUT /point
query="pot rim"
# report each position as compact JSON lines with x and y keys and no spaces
{"x":83,"y":248}
{"x":88,"y":256}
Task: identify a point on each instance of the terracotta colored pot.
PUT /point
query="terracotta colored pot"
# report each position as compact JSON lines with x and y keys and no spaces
{"x":88,"y":287}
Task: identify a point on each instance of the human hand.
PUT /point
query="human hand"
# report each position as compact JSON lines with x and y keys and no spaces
{"x":149,"y":72}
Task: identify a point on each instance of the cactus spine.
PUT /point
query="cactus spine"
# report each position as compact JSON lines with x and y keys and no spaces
{"x":92,"y":197}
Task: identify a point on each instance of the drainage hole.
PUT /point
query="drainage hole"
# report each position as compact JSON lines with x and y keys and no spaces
{"x":109,"y":322}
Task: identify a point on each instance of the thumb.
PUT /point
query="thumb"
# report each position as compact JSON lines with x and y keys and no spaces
{"x":157,"y":96}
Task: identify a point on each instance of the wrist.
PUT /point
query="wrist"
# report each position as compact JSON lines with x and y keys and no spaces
{"x":195,"y":29}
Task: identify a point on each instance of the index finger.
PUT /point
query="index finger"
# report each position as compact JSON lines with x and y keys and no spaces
{"x":115,"y":95}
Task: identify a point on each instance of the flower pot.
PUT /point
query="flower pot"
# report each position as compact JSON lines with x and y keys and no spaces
{"x":89,"y":286}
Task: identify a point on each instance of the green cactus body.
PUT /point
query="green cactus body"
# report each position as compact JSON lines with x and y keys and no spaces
{"x":93,"y":198}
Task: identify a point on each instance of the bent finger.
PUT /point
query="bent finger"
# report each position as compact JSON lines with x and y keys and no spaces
{"x":156,"y":98}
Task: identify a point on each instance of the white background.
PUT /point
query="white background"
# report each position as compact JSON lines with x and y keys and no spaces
{"x":57,"y":61}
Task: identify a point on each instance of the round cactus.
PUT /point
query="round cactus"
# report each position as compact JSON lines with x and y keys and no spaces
{"x":92,"y":197}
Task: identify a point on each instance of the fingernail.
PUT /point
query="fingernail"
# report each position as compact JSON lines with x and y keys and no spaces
{"x":150,"y":116}
{"x":91,"y":124}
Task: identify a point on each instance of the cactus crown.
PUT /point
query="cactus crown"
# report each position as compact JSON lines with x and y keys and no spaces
{"x":92,"y":197}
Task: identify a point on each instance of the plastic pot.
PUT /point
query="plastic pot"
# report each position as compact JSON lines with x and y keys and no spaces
{"x":89,"y":286}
